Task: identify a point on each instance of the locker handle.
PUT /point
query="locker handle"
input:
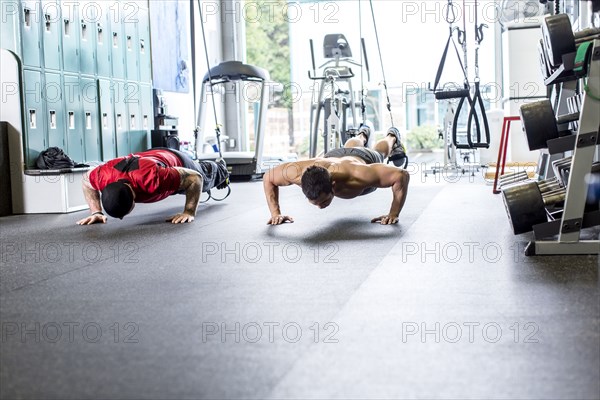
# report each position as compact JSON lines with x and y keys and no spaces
{"x":48,"y":21}
{"x":142,"y":46}
{"x":27,"y":15}
{"x":32,"y":119}
{"x":67,"y":27}
{"x":71,"y":120}
{"x":52,"y":119}
{"x":83,"y":30}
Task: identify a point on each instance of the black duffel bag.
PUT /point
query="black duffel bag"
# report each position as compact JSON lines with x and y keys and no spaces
{"x":55,"y":158}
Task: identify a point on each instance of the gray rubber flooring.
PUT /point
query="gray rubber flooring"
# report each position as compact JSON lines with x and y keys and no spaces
{"x":442,"y":305}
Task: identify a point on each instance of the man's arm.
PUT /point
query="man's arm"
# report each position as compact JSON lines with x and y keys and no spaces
{"x":387,"y":176}
{"x":282,"y":175}
{"x":191,"y":183}
{"x":92,"y":197}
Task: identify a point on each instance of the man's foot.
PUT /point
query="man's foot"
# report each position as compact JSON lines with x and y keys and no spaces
{"x":223,"y":174}
{"x":365,"y":131}
{"x":398,"y":154}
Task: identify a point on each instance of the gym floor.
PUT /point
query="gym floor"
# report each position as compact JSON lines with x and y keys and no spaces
{"x":442,"y":305}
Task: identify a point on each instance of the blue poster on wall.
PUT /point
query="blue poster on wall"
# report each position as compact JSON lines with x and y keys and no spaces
{"x":169,"y":22}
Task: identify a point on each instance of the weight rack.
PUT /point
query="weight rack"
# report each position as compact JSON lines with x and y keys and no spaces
{"x":584,"y":145}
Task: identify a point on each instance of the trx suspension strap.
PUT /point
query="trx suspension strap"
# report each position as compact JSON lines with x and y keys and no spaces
{"x":363,"y":55}
{"x":464,"y":93}
{"x":387,"y":96}
{"x":477,"y":100}
{"x":450,"y":94}
{"x":217,"y":126}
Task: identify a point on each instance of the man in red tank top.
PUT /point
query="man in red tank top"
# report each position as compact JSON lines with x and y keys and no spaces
{"x":145,"y":177}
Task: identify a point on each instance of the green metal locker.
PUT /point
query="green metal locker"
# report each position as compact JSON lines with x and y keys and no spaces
{"x":30,"y":32}
{"x":107,"y":120}
{"x":9,"y":28}
{"x":74,"y":117}
{"x":144,"y":46}
{"x":55,"y":117}
{"x":121,"y":119}
{"x":51,"y":32}
{"x":103,"y":42}
{"x":70,"y":35}
{"x":91,"y":119}
{"x":35,"y":126}
{"x":132,"y":52}
{"x":147,"y":108}
{"x":89,"y":12}
{"x":117,"y":44}
{"x":137,"y":136}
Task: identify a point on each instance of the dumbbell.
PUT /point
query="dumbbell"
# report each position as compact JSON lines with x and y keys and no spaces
{"x":559,"y":38}
{"x":562,"y":169}
{"x":540,"y":124}
{"x":526,"y":203}
{"x":512,"y":177}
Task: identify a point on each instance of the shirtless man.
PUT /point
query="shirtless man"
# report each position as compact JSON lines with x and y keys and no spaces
{"x":352,"y":171}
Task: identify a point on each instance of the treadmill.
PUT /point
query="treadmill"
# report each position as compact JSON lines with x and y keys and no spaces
{"x":249,"y":164}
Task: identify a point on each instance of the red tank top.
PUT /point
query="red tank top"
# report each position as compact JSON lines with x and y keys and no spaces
{"x":150,"y":174}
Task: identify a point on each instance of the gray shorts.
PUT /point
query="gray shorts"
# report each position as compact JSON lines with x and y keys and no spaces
{"x":369,"y":156}
{"x":364,"y":153}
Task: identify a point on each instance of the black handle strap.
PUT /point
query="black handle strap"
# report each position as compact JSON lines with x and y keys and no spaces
{"x":440,"y":69}
{"x":473,"y":115}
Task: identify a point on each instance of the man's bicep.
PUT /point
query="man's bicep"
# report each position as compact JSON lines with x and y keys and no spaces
{"x":385,"y":175}
{"x":187,"y":176}
{"x":282,"y":175}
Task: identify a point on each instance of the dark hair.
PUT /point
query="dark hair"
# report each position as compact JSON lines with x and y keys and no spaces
{"x":316,"y":180}
{"x":117,"y":199}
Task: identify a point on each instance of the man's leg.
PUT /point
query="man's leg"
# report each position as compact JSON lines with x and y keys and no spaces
{"x":385,"y":145}
{"x":359,"y":140}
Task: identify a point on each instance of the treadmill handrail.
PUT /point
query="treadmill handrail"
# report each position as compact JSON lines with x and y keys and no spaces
{"x":236,"y":71}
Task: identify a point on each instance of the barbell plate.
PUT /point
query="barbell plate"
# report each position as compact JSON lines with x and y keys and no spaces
{"x":539,"y":123}
{"x":559,"y":39}
{"x":524,"y":206}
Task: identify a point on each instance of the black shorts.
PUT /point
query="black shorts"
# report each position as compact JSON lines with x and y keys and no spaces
{"x":369,"y":156}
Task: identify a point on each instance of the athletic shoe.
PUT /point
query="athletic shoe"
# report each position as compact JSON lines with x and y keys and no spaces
{"x":398,"y":154}
{"x":222,"y":174}
{"x":365,"y":129}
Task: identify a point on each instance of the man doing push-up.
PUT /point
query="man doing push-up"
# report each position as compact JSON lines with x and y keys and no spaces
{"x":348,"y":172}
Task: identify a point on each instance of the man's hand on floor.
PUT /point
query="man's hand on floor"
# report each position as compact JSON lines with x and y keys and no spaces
{"x":181,"y":218}
{"x":280,"y":219}
{"x":386,"y":220}
{"x":93,"y":219}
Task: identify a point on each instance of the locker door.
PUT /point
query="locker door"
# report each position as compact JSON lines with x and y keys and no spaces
{"x":144,"y":46}
{"x":10,"y":26}
{"x":30,"y":32}
{"x":121,"y":120}
{"x":35,"y":128}
{"x":117,"y":41}
{"x":137,"y":136}
{"x":89,"y":13}
{"x":51,"y":34}
{"x":91,"y":119}
{"x":132,"y":56}
{"x":70,"y":35}
{"x":103,"y":42}
{"x":147,"y":108}
{"x":55,"y":118}
{"x":74,"y":114}
{"x":107,"y":120}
